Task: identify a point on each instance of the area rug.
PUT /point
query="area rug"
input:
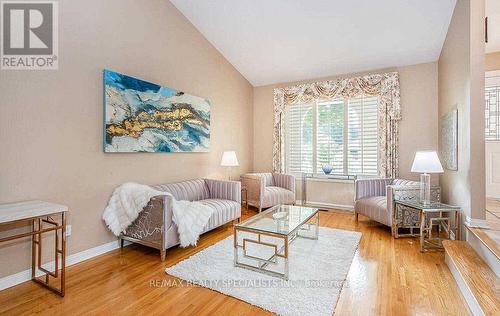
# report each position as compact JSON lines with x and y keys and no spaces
{"x":317,"y":273}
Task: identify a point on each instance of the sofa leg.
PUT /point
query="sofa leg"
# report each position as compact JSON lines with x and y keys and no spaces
{"x":394,"y":231}
{"x":163,"y":254}
{"x":121,"y":243}
{"x":356,"y":214}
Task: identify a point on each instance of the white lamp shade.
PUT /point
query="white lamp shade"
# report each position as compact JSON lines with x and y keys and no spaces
{"x":229,"y":159}
{"x":426,"y":161}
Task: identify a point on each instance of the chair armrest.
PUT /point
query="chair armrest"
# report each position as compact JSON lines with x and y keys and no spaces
{"x":153,"y":221}
{"x":168,"y":211}
{"x":285,"y":181}
{"x":255,"y":186}
{"x":226,"y":190}
{"x":370,"y":187}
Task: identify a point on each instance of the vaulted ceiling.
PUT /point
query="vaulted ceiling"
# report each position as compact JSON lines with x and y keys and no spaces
{"x":272,"y":41}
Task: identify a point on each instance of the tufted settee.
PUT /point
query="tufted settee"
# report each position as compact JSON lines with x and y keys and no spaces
{"x":154,"y":226}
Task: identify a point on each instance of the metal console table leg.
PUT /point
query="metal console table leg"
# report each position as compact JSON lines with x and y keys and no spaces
{"x":59,"y":253}
{"x":43,"y":217}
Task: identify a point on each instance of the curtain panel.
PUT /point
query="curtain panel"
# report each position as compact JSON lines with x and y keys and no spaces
{"x":385,"y":86}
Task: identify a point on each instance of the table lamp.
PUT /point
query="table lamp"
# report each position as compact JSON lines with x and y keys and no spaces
{"x":425,"y":162}
{"x":229,"y":160}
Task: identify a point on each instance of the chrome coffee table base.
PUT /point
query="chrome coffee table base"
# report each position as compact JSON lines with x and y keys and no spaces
{"x":278,"y":244}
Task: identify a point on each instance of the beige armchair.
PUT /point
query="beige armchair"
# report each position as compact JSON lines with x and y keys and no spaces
{"x":375,"y":199}
{"x":269,"y":189}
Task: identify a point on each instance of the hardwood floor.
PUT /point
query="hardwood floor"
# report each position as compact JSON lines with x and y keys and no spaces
{"x":388,"y":277}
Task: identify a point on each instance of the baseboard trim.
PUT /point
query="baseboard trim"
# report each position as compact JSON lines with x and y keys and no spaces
{"x":327,"y":205}
{"x":474,"y":222}
{"x":23,"y":276}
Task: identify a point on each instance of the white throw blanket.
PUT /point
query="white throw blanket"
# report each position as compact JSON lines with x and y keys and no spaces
{"x":129,"y":199}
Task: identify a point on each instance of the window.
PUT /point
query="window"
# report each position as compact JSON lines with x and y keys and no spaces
{"x":492,"y":113}
{"x":363,"y":131}
{"x":340,"y":132}
{"x":300,"y":138}
{"x":330,"y":136}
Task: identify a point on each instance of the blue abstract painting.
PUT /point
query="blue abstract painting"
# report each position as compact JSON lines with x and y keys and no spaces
{"x":141,"y":116}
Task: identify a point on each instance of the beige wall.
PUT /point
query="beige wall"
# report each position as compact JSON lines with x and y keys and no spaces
{"x":492,"y":61}
{"x":418,"y":127}
{"x":51,"y":121}
{"x":263,"y":128}
{"x":477,"y":104}
{"x":492,"y":179}
{"x":461,"y":85}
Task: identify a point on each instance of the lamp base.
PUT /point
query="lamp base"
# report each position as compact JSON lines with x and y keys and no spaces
{"x":425,"y":188}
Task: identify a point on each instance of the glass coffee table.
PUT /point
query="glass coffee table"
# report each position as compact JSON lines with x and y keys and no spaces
{"x":261,"y":242}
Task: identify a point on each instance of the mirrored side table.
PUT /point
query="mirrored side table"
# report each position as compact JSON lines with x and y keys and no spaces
{"x":438,"y":222}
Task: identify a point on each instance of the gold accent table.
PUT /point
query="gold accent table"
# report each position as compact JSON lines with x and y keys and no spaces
{"x":44,"y":217}
{"x":274,"y":237}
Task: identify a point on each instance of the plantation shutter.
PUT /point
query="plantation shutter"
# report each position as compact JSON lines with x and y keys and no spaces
{"x":362,"y":143}
{"x":342,"y":133}
{"x":299,"y":140}
{"x":330,"y":136}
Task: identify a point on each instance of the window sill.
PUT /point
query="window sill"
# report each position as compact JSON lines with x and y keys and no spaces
{"x":299,"y":178}
{"x":330,"y":180}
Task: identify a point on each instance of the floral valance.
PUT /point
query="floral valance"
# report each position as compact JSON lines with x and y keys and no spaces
{"x":385,"y":85}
